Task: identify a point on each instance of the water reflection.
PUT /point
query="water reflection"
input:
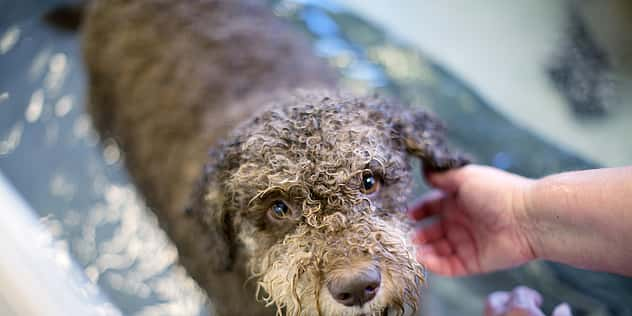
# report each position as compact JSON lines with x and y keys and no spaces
{"x":35,"y":106}
{"x":11,"y":140}
{"x":319,"y":23}
{"x":57,"y":249}
{"x":400,"y":64}
{"x":85,"y":199}
{"x":38,"y":65}
{"x":8,"y":39}
{"x":57,"y":70}
{"x":502,"y":160}
{"x":62,"y":187}
{"x":111,"y":151}
{"x":4,"y":96}
{"x":366,"y":72}
{"x":63,"y":105}
{"x":82,"y":127}
{"x":48,"y":150}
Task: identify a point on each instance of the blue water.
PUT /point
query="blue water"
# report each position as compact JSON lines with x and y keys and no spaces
{"x":79,"y":188}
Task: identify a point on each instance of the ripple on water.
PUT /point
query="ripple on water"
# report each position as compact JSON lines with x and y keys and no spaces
{"x":63,"y":105}
{"x":35,"y":106}
{"x":57,"y":72}
{"x":3,"y":97}
{"x":11,"y":140}
{"x":9,"y":39}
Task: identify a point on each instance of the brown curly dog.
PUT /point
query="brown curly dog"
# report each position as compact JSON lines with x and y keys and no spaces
{"x":299,"y":208}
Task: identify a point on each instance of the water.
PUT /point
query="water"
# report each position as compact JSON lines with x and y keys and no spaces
{"x":80,"y":189}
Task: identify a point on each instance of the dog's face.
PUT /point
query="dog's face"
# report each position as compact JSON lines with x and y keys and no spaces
{"x":313,"y":195}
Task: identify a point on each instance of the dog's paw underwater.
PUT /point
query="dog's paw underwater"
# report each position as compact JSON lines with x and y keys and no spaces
{"x":300,"y":207}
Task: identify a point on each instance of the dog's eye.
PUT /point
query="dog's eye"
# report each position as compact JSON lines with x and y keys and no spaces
{"x":279,"y":210}
{"x":370,"y":184}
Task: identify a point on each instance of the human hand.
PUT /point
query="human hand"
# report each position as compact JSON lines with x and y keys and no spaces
{"x":479,"y":227}
{"x":522,"y":301}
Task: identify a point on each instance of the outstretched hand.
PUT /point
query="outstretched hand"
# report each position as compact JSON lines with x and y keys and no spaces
{"x":478,"y":212}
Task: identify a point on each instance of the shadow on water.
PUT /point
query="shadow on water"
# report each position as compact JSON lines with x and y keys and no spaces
{"x":51,"y":154}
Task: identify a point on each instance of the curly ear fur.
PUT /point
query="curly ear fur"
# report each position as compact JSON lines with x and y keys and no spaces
{"x":208,"y":208}
{"x":424,"y":136}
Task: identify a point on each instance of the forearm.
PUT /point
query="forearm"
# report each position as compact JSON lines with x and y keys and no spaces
{"x":583,"y":219}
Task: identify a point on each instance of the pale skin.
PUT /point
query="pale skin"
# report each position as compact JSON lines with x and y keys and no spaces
{"x":487,"y":219}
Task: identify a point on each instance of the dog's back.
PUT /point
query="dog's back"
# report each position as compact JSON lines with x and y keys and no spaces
{"x":169,"y":78}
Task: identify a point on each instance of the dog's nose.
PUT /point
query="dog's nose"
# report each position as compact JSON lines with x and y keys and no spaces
{"x":357,"y":288}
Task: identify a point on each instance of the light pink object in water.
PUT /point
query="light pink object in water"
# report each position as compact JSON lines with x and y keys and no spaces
{"x":522,"y":301}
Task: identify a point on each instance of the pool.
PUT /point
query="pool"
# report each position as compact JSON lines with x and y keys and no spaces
{"x":80,"y":191}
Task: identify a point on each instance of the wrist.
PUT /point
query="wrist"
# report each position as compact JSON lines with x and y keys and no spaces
{"x":544,"y":225}
{"x":524,"y":204}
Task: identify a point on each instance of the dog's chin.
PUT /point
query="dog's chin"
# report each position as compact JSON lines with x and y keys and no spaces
{"x":386,"y":311}
{"x":328,"y":307}
{"x":382,"y":305}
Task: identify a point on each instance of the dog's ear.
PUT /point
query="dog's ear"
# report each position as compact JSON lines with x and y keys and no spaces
{"x":209,"y":208}
{"x":424,"y":136}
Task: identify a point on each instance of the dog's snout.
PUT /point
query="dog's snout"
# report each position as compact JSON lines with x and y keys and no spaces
{"x":357,"y":287}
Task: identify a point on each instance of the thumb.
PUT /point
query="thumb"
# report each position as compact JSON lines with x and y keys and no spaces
{"x":448,"y":181}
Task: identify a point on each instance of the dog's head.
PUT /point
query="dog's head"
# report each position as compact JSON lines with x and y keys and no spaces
{"x":312,"y":193}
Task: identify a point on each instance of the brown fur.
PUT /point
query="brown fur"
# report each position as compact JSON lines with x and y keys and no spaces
{"x":172,"y":79}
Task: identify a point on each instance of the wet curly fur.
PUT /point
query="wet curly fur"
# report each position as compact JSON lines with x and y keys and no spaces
{"x":224,"y":90}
